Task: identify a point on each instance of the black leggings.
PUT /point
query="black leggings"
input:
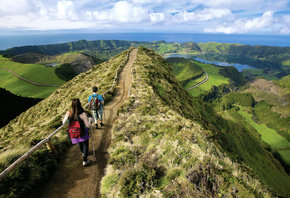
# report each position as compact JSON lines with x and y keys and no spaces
{"x":84,"y":147}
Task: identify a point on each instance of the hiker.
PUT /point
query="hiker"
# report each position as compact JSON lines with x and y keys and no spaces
{"x":97,"y":106}
{"x":78,"y":126}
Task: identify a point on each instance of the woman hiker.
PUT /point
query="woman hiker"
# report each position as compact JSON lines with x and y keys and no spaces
{"x":77,"y":122}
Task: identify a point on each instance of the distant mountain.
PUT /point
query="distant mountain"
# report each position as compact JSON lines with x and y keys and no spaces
{"x":78,"y":61}
{"x":273,"y":57}
{"x":164,"y":142}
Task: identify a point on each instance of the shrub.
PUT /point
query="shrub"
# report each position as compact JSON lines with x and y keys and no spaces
{"x":65,"y":72}
{"x":137,"y":181}
{"x":108,"y":182}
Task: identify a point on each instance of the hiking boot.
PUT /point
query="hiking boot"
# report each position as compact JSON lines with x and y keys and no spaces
{"x":97,"y":126}
{"x":101,"y":124}
{"x":85,"y":163}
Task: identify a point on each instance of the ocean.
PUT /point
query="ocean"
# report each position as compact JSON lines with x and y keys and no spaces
{"x":9,"y":41}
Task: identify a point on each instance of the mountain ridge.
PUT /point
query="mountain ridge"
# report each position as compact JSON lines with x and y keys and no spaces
{"x":279,"y":56}
{"x":157,"y":117}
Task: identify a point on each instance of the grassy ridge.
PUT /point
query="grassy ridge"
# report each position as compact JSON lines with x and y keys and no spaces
{"x":165,"y":142}
{"x":184,"y":70}
{"x":177,"y":140}
{"x":41,"y":120}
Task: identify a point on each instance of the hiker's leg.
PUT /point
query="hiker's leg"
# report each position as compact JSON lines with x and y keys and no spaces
{"x":85,"y":149}
{"x":94,"y":112}
{"x":81,"y":145}
{"x":100,"y":116}
{"x":95,"y":115}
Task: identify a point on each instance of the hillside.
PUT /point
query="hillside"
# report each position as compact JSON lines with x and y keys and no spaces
{"x":266,"y":56}
{"x":38,"y":122}
{"x":165,"y":143}
{"x":79,"y":62}
{"x":184,"y":69}
{"x":273,"y":93}
{"x":173,"y":145}
{"x":13,"y":105}
{"x":39,"y":68}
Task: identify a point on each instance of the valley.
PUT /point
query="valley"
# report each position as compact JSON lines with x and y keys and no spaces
{"x":218,"y":127}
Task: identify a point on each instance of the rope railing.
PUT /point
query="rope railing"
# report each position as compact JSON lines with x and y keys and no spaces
{"x":47,"y":140}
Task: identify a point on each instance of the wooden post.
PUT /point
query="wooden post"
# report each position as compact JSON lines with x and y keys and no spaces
{"x":50,"y":146}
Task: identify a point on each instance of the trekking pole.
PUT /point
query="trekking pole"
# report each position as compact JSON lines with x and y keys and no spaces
{"x":104,"y":106}
{"x":91,"y":121}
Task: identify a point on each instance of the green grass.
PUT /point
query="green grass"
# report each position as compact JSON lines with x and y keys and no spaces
{"x":163,"y":48}
{"x":259,"y":73}
{"x":23,"y":88}
{"x":215,"y":79}
{"x":270,"y":136}
{"x":285,"y":155}
{"x":34,"y":72}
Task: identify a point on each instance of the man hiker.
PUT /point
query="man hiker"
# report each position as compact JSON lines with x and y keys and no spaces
{"x":96,"y":104}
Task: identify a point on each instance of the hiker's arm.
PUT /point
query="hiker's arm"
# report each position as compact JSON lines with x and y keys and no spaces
{"x":103,"y":102}
{"x":65,"y":118}
{"x":84,"y":117}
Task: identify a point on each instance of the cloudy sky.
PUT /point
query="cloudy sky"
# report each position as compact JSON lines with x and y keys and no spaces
{"x":182,"y":16}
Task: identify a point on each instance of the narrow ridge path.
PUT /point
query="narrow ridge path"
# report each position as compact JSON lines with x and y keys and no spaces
{"x":71,"y":179}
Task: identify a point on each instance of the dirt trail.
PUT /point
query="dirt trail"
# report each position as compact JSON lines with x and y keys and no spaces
{"x":72,"y":179}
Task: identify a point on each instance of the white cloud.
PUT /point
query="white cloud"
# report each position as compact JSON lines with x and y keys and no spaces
{"x":243,"y":25}
{"x":125,"y":12}
{"x":66,"y":10}
{"x":285,"y":30}
{"x":15,"y":7}
{"x":158,"y":17}
{"x":286,"y":18}
{"x":141,"y":2}
{"x":223,"y":16}
{"x":201,"y":15}
{"x":246,"y":5}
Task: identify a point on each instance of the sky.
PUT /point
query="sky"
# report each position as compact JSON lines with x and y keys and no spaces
{"x":162,"y":16}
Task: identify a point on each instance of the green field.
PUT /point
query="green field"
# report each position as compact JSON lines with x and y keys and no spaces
{"x":270,"y":136}
{"x":215,"y":79}
{"x":260,"y":73}
{"x":34,"y":72}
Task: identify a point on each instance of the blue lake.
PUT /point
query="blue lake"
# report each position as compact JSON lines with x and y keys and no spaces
{"x":238,"y":66}
{"x":211,"y":60}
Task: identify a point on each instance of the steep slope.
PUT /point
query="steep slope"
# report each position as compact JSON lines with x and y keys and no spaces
{"x":79,"y":62}
{"x":184,"y":70}
{"x":167,"y":144}
{"x":164,"y":143}
{"x":85,"y":181}
{"x":13,"y":105}
{"x":277,"y":96}
{"x":41,"y":120}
